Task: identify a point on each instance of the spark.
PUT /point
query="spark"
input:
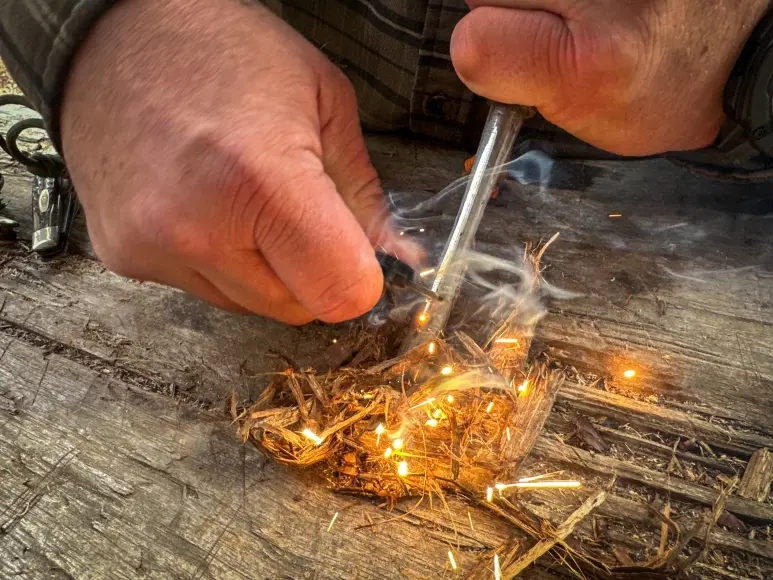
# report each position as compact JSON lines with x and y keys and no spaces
{"x":451,"y":559}
{"x":388,"y":452}
{"x":489,"y":494}
{"x":497,"y":569}
{"x":523,"y":387}
{"x":490,"y":406}
{"x":427,"y":272}
{"x":446,"y":371}
{"x":421,"y":230}
{"x":432,"y":348}
{"x":615,"y":215}
{"x":423,"y":318}
{"x":335,"y":517}
{"x":507,"y":431}
{"x":309,"y":434}
{"x":398,"y":444}
{"x":469,"y":517}
{"x":379,"y":431}
{"x":538,"y":485}
{"x":450,"y":398}
{"x":335,"y":341}
{"x":629,"y":374}
{"x":427,"y":402}
{"x":506,"y":341}
{"x":402,"y":468}
{"x":432,"y":423}
{"x":402,"y":233}
{"x":437,"y":413}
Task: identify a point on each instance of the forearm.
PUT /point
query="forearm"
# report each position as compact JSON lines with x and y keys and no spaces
{"x":38,"y":40}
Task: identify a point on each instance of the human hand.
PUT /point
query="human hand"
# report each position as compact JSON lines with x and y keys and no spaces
{"x":217,"y":151}
{"x":633,"y":77}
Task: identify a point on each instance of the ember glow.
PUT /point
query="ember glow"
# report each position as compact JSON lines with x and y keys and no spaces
{"x":335,"y":517}
{"x":490,"y":407}
{"x":432,"y":348}
{"x":402,"y":468}
{"x":497,"y":569}
{"x":629,"y":374}
{"x":447,"y":371}
{"x":388,"y":452}
{"x":398,"y":444}
{"x":451,"y":559}
{"x":523,"y":387}
{"x":506,"y":341}
{"x":450,"y":398}
{"x":432,"y":423}
{"x":379,"y":431}
{"x":490,"y":494}
{"x":309,"y":434}
{"x":426,"y":273}
{"x":507,"y":432}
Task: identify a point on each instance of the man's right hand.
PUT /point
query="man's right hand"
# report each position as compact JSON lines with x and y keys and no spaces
{"x":217,"y":151}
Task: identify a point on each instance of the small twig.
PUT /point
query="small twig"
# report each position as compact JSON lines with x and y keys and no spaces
{"x":561,"y":533}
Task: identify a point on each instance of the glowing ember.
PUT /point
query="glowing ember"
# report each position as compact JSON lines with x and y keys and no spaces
{"x":426,"y":273}
{"x":432,"y":348}
{"x":379,"y":431}
{"x":507,"y":432}
{"x":538,"y":485}
{"x":506,"y":341}
{"x":451,"y":559}
{"x":309,"y":434}
{"x":523,"y":387}
{"x":335,"y":517}
{"x":629,"y":374}
{"x":446,"y":371}
{"x":469,"y":517}
{"x":490,"y":406}
{"x":388,"y":452}
{"x":398,"y":443}
{"x":423,"y":318}
{"x":450,"y":398}
{"x":490,"y":494}
{"x":335,"y":341}
{"x":402,"y":468}
{"x":432,"y":423}
{"x":615,"y":215}
{"x":437,"y":413}
{"x":497,"y":569}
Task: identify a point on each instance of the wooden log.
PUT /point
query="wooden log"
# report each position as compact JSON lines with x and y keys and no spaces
{"x":554,"y":450}
{"x":598,"y":403}
{"x":758,"y":476}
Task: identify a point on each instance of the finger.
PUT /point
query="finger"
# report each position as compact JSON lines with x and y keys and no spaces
{"x":515,"y":56}
{"x":315,"y":245}
{"x":246,"y":279}
{"x":347,"y":162}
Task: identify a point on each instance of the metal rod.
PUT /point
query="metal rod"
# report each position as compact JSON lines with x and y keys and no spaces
{"x":502,"y":127}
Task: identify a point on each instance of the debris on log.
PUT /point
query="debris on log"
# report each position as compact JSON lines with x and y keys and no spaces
{"x":758,"y":476}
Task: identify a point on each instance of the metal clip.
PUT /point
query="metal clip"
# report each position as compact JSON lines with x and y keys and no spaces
{"x":54,"y":208}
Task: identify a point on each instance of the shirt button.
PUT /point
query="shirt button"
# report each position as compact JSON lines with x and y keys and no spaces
{"x":434,"y":105}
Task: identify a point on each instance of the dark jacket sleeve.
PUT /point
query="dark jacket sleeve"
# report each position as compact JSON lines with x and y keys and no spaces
{"x":38,"y":40}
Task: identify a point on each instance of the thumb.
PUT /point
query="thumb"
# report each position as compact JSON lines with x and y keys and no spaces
{"x":514,"y":56}
{"x":347,"y":162}
{"x":316,"y":247}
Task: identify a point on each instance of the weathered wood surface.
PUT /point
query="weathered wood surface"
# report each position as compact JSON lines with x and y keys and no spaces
{"x":116,"y":462}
